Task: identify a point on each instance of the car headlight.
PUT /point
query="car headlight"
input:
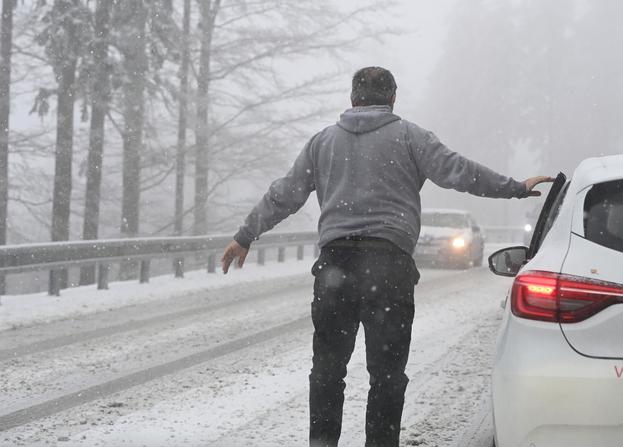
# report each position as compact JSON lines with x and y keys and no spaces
{"x":458,"y":242}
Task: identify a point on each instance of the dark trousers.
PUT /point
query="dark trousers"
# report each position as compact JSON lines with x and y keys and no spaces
{"x":370,"y":284}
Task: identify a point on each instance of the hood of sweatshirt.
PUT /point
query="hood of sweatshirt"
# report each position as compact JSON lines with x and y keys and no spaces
{"x":360,"y":120}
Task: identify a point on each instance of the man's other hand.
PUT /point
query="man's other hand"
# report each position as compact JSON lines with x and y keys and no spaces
{"x":233,"y":251}
{"x":533,"y":181}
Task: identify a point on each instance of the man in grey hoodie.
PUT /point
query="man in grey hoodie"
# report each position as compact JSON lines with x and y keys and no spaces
{"x":367,"y":171}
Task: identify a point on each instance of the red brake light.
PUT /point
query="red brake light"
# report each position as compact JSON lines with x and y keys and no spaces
{"x":534,"y":296}
{"x":559,"y":298}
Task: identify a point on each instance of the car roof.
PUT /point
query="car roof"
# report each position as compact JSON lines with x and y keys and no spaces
{"x":598,"y":170}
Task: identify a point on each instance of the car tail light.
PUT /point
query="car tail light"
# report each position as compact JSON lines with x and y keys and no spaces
{"x":560,"y":298}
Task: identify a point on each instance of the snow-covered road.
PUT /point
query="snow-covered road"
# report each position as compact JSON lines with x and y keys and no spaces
{"x":228,"y":367}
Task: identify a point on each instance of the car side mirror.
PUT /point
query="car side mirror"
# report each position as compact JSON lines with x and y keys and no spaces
{"x":508,"y":261}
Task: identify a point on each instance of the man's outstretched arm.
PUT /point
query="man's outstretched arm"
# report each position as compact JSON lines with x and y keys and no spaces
{"x":451,"y":170}
{"x":284,"y":197}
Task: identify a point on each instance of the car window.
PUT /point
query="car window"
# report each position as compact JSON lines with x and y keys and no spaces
{"x":603,"y":215}
{"x":444,"y":220}
{"x":553,"y":214}
{"x":549,"y":213}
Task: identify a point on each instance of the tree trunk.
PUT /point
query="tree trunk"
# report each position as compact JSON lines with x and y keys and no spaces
{"x":180,"y":158}
{"x":135,"y":67}
{"x":209,"y":10}
{"x":100,"y":96}
{"x":5,"y":107}
{"x":61,"y":200}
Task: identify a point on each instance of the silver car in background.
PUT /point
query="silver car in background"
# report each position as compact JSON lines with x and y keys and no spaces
{"x":451,"y":238}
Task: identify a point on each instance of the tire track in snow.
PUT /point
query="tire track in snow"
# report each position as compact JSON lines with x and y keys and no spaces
{"x":131,"y":325}
{"x":53,"y":406}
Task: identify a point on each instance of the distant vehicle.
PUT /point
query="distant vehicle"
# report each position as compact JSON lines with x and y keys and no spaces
{"x":527,"y":233}
{"x":450,"y":238}
{"x":558,"y":371}
{"x":531,"y":218}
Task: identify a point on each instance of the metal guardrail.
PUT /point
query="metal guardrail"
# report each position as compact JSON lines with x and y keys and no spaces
{"x":59,"y":256}
{"x":55,"y":256}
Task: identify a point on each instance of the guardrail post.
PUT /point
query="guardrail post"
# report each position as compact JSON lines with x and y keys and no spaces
{"x":316,"y":250}
{"x":87,"y":275}
{"x":281,"y":254}
{"x":144,"y":272}
{"x":261,"y":256}
{"x":54,"y":283}
{"x":102,"y":276}
{"x":300,"y":252}
{"x":178,"y":267}
{"x":211,"y":263}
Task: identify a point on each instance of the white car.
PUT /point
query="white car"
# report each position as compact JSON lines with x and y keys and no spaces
{"x":449,"y":237}
{"x":558,"y":371}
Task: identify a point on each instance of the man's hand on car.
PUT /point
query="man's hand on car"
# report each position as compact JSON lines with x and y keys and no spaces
{"x":233,"y":251}
{"x":533,"y":181}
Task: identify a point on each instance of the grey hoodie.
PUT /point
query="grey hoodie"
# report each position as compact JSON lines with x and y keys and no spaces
{"x":367,"y":171}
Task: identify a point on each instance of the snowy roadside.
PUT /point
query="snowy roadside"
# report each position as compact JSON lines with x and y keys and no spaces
{"x":37,"y":308}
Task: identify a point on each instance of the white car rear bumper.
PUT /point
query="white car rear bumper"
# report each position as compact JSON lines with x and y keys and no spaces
{"x":547,"y":395}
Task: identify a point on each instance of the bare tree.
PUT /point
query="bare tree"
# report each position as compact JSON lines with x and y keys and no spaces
{"x":63,"y":38}
{"x":5,"y":106}
{"x":134,"y":36}
{"x":208,"y":10}
{"x":135,"y":67}
{"x":180,"y":160}
{"x":66,"y":78}
{"x":180,"y":156}
{"x":100,"y":97}
{"x":242,"y":44}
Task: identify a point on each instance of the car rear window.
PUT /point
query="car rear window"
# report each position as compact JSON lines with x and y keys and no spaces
{"x":550,"y":218}
{"x":603,"y":215}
